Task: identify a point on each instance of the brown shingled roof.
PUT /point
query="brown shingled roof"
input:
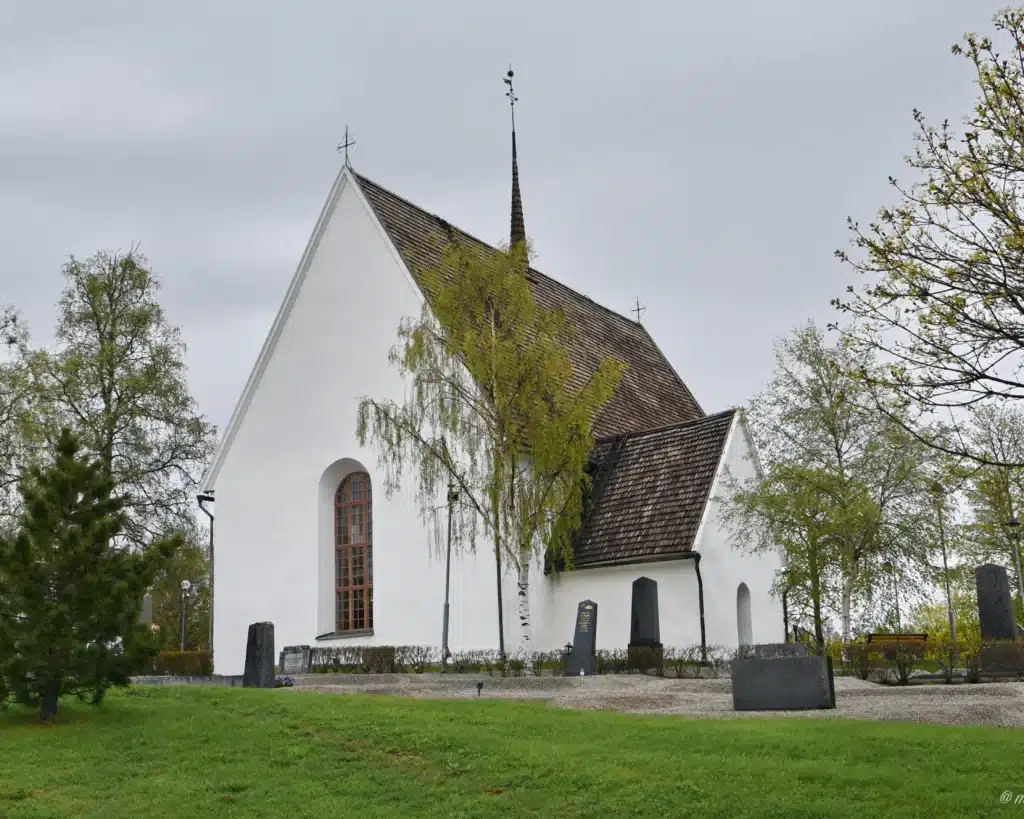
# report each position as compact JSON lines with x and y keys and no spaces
{"x":650,"y":490}
{"x":651,"y":393}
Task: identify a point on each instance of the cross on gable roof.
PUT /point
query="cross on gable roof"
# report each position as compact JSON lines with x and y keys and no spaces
{"x":651,"y":393}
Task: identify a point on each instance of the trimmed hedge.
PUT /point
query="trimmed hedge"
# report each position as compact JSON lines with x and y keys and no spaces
{"x":183,"y":663}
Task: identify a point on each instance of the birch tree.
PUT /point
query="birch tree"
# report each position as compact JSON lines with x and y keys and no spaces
{"x":494,"y":406}
{"x":15,"y":412}
{"x":117,"y":378}
{"x":995,"y":493}
{"x":812,"y":421}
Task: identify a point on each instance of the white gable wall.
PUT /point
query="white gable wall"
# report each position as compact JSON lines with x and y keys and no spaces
{"x":296,"y":439}
{"x":725,"y":566}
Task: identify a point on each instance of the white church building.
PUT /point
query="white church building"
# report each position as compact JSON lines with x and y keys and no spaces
{"x":307,"y":539}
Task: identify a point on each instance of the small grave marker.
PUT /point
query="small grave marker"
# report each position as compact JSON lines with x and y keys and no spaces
{"x":583,"y":659}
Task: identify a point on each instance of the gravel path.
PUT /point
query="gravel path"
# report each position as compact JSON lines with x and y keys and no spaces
{"x":964,"y":704}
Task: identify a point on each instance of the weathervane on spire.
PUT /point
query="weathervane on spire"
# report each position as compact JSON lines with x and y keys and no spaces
{"x":518,"y":225}
{"x":344,"y":146}
{"x":638,"y":309}
{"x":512,"y":98}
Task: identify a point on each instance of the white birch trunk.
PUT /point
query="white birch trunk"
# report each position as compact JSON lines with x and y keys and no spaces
{"x":525,"y":632}
{"x":847,"y":604}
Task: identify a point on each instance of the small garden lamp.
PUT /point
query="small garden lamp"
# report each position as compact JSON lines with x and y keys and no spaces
{"x":1013,"y":526}
{"x":186,"y":588}
{"x":938,"y":492}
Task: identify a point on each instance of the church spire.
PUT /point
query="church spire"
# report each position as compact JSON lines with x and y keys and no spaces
{"x":518,"y":225}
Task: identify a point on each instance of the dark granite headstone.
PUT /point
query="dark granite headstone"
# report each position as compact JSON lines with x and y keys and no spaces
{"x":768,"y":650}
{"x":295,"y":660}
{"x":995,"y":605}
{"x":583,"y":659}
{"x":644,"y":625}
{"x":259,"y":657}
{"x":783,"y":684}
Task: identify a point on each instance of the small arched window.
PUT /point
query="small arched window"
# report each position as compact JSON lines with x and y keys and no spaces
{"x":353,"y":542}
{"x":744,"y":626}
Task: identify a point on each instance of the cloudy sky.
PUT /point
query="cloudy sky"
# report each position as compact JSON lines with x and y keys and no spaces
{"x":700,"y":156}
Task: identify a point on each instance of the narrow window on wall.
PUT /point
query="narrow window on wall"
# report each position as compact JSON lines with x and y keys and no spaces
{"x":353,"y":543}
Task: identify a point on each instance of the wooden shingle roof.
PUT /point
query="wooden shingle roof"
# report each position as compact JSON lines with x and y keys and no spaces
{"x":650,"y":490}
{"x":651,"y":393}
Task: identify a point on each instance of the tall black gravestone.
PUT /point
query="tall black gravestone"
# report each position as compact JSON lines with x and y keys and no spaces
{"x":259,"y":657}
{"x":644,"y":625}
{"x":995,"y":605}
{"x":583,"y":659}
{"x":644,"y":652}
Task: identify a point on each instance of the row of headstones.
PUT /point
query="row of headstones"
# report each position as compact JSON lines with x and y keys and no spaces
{"x":644,"y":628}
{"x":782,"y":676}
{"x":779,"y":675}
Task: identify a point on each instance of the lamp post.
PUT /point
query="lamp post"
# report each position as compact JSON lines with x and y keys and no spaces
{"x":937,"y":491}
{"x":890,"y":567}
{"x":785,"y":605}
{"x":453,"y":496}
{"x":186,"y":587}
{"x":1014,"y":526}
{"x":207,"y":497}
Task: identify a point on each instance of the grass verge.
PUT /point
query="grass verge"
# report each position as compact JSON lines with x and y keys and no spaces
{"x":210,"y":752}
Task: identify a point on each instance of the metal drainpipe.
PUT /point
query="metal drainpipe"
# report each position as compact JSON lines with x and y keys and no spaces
{"x":785,"y":613}
{"x":207,"y":497}
{"x":695,"y":557}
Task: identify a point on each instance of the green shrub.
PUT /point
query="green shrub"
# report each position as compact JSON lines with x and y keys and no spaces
{"x":183,"y":663}
{"x":903,"y":658}
{"x":942,"y":651}
{"x":645,"y":659}
{"x":378,"y":660}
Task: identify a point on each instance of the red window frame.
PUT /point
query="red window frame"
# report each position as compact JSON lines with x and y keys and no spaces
{"x":353,"y":551}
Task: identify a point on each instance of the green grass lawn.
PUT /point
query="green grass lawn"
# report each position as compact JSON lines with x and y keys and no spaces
{"x":209,"y":752}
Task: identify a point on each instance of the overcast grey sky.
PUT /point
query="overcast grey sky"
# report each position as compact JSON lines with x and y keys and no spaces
{"x":700,"y":156}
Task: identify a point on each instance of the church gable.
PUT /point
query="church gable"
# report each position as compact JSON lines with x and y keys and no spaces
{"x":350,"y":283}
{"x":651,"y":393}
{"x":650,"y":491}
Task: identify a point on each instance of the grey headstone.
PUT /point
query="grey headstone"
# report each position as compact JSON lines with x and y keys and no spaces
{"x":259,"y":657}
{"x":769,"y":650}
{"x":783,"y":684}
{"x":146,"y":613}
{"x":295,"y":660}
{"x":995,"y":605}
{"x":644,"y":625}
{"x":583,"y":659}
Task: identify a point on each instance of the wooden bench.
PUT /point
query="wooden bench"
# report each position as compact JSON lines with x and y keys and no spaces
{"x":884,"y":648}
{"x":885,"y":640}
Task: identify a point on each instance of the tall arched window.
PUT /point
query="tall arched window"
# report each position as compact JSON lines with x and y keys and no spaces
{"x":353,"y":541}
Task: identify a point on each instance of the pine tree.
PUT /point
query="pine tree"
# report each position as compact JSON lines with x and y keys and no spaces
{"x":69,"y":597}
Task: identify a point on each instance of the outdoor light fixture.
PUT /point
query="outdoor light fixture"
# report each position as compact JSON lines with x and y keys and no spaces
{"x":1013,"y":525}
{"x":938,"y":491}
{"x":453,"y":496}
{"x":186,"y":587}
{"x":202,"y":500}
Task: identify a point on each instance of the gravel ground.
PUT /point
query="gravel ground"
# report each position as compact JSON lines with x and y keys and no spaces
{"x":963,"y":704}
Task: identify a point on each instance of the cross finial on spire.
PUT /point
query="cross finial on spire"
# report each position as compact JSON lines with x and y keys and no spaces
{"x":638,"y":309}
{"x":344,"y":146}
{"x":518,"y":228}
